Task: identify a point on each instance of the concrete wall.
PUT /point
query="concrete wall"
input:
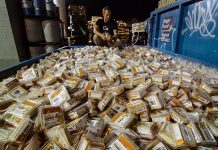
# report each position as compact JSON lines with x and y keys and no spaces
{"x":8,"y":50}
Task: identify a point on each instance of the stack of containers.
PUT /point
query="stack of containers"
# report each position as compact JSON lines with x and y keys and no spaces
{"x":163,"y":3}
{"x":43,"y":31}
{"x":27,"y":7}
{"x":78,"y":19}
{"x":123,"y":31}
{"x":38,"y":8}
{"x":138,"y":34}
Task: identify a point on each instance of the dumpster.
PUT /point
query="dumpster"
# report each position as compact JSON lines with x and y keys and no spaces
{"x":94,"y":97}
{"x":187,"y":28}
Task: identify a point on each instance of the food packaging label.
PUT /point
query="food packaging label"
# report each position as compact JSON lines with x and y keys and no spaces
{"x":59,"y":96}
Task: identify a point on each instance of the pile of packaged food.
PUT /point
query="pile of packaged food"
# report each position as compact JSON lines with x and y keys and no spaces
{"x":123,"y":31}
{"x":94,"y":19}
{"x":92,"y":22}
{"x":163,"y":3}
{"x":138,"y":27}
{"x":105,"y":98}
{"x":77,"y":10}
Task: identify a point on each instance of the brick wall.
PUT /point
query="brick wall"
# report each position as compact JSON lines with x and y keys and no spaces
{"x":8,"y":51}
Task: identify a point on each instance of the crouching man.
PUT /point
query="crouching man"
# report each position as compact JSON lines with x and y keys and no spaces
{"x":105,"y":31}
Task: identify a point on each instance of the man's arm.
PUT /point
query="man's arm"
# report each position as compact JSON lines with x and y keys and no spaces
{"x":115,"y":36}
{"x":97,"y":32}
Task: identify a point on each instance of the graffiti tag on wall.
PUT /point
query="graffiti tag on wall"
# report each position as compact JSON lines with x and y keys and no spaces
{"x":202,"y":19}
{"x":167,"y":27}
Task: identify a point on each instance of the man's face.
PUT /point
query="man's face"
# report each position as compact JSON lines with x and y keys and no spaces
{"x":107,"y":16}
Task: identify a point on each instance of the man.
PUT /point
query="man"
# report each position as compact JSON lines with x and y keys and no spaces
{"x":105,"y":32}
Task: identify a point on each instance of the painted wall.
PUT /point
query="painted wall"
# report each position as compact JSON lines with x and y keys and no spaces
{"x":194,"y":32}
{"x":199,"y":34}
{"x":162,"y":43}
{"x":8,"y":51}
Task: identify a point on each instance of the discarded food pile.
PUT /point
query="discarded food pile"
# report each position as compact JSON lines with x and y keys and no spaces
{"x":105,"y":98}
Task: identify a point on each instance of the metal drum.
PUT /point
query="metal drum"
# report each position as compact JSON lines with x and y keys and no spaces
{"x":52,"y":30}
{"x":57,"y":12}
{"x":50,"y":8}
{"x":51,"y":48}
{"x":62,"y":13}
{"x":34,"y":30}
{"x":36,"y":50}
{"x":39,"y":7}
{"x":27,"y":7}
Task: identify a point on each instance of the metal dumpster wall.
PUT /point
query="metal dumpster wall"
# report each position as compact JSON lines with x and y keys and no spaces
{"x":192,"y":31}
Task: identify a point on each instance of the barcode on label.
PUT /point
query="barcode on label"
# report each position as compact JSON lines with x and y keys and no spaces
{"x":17,"y":91}
{"x":151,"y":102}
{"x":117,"y":107}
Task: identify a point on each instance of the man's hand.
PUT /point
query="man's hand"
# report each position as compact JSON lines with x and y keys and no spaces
{"x":103,"y":37}
{"x":109,"y":38}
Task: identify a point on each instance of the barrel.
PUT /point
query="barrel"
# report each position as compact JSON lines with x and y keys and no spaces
{"x":63,"y":13}
{"x":36,"y":50}
{"x":50,"y":8}
{"x":27,"y":7}
{"x":34,"y":30}
{"x":57,"y":12}
{"x":51,"y":48}
{"x":39,"y":7}
{"x":52,"y":31}
{"x":62,"y":10}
